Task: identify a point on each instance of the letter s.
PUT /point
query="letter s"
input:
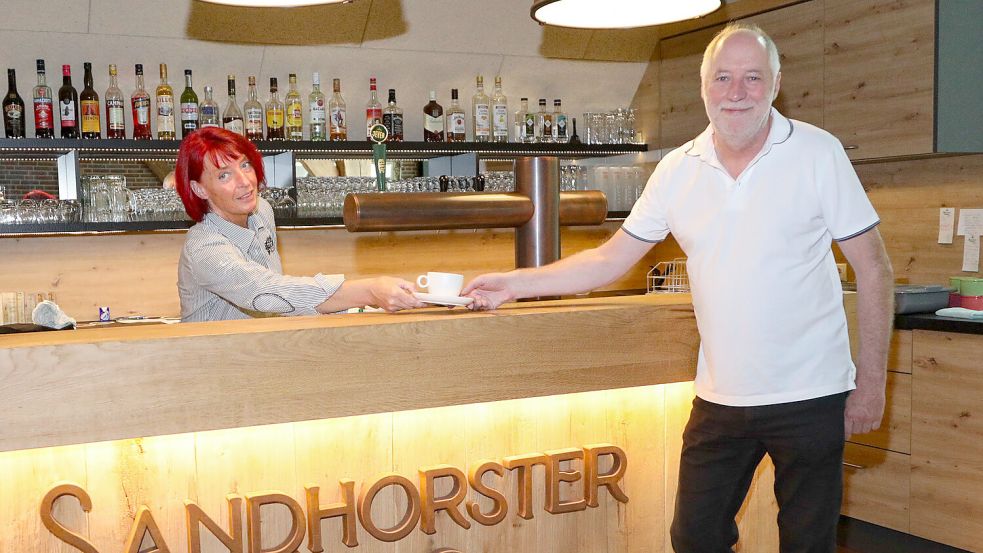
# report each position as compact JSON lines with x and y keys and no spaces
{"x":53,"y":526}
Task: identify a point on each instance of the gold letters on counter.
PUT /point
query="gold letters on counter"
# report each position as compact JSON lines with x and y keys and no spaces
{"x":422,"y":503}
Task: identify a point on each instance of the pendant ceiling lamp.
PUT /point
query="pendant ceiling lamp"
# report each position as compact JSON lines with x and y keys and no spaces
{"x":276,"y":3}
{"x":618,"y":14}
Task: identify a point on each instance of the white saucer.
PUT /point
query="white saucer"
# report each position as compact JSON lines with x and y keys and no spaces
{"x":443,"y":300}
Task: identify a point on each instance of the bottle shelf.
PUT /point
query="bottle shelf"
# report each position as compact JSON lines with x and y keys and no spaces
{"x":42,"y":148}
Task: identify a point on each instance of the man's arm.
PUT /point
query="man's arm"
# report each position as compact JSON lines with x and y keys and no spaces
{"x":875,"y":313}
{"x":578,"y":273}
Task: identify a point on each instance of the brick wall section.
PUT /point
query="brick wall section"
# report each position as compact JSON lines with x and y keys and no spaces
{"x":20,"y":177}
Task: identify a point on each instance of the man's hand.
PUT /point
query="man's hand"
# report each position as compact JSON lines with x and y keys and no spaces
{"x":864,"y":409}
{"x":489,"y":291}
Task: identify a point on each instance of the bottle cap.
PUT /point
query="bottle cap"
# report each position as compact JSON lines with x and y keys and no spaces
{"x":40,"y":65}
{"x":66,"y":70}
{"x":187,"y":72}
{"x":454,"y":94}
{"x":317,"y":78}
{"x":139,"y":68}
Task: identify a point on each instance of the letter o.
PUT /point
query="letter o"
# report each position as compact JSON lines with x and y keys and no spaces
{"x":410,"y":518}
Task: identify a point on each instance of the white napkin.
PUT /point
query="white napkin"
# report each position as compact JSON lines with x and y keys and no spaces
{"x":960,"y":313}
{"x":47,"y":313}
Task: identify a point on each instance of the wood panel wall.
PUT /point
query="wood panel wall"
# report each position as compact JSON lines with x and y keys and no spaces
{"x":136,"y":273}
{"x":162,"y":472}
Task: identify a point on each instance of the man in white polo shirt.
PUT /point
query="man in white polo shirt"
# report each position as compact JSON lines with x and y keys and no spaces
{"x":754,"y":202}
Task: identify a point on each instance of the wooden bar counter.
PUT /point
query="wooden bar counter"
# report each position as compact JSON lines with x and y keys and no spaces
{"x":144,"y":380}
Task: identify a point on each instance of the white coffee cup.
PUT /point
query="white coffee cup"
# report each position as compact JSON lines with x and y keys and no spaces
{"x":441,"y":284}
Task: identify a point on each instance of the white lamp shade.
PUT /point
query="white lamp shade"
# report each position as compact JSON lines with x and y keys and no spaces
{"x":274,"y":3}
{"x":618,"y":14}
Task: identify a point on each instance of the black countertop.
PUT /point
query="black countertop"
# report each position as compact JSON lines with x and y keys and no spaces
{"x":930,"y":321}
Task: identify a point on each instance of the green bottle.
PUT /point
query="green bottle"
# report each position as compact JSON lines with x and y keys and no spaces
{"x":189,"y":107}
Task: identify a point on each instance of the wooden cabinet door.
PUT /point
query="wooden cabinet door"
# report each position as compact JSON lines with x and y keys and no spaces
{"x":947,"y":438}
{"x":797,"y":31}
{"x":875,"y":486}
{"x":879,"y":76}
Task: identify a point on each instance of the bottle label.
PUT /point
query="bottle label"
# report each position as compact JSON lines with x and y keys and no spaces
{"x":43,"y":115}
{"x":14,"y":120}
{"x":500,"y":120}
{"x":274,"y":118}
{"x":254,"y":120}
{"x":338,"y":121}
{"x":67,"y":110}
{"x":114,"y":114}
{"x":317,"y":111}
{"x":141,"y":111}
{"x":209,"y":116}
{"x":529,"y":129}
{"x":482,"y":123}
{"x":561,"y":126}
{"x":14,"y":112}
{"x":189,"y":111}
{"x":433,"y":124}
{"x":295,"y":114}
{"x":372,"y":116}
{"x":547,"y":125}
{"x":394,"y":123}
{"x":234,"y":125}
{"x":90,"y":116}
{"x":457,"y":123}
{"x":165,"y":114}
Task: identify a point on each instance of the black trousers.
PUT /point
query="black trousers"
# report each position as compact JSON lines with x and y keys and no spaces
{"x":723,"y":445}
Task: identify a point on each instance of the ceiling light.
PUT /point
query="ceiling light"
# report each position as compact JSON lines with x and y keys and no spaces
{"x":618,"y":14}
{"x":275,"y":3}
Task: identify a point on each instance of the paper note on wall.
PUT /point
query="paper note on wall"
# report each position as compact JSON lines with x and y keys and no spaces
{"x":947,"y":222}
{"x":971,"y":226}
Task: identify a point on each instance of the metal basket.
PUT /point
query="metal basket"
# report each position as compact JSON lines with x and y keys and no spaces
{"x":668,"y":277}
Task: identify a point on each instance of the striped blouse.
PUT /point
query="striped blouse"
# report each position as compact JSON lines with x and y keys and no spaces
{"x":230,"y":272}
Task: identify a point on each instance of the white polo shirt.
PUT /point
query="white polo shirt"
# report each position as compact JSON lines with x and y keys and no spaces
{"x":767,"y":296}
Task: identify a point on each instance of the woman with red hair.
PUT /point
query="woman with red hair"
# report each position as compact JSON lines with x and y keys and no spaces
{"x":229,"y":267}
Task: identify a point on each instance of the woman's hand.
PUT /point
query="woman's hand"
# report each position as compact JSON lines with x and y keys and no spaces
{"x":391,"y":294}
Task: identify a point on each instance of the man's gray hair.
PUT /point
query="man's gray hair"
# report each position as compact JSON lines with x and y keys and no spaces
{"x":733,"y":28}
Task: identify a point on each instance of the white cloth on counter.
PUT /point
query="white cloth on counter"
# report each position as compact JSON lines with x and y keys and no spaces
{"x":960,"y":313}
{"x":47,"y":313}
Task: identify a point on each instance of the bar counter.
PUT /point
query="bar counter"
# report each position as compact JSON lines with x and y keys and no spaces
{"x":100,"y":384}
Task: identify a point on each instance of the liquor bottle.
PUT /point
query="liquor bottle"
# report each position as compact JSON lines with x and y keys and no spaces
{"x":544,"y":123}
{"x":140,"y":101}
{"x":392,"y":118}
{"x":456,"y":131}
{"x":165,"y":107}
{"x":68,"y":101}
{"x":433,"y":120}
{"x":274,"y":114}
{"x":44,"y":116}
{"x":208,"y":110}
{"x":115,"y":121}
{"x":316,"y":101}
{"x":189,"y":107}
{"x":529,"y":126}
{"x":480,"y":118}
{"x":336,"y":111}
{"x":294,"y":111}
{"x":574,"y":138}
{"x":499,"y":114}
{"x":13,"y":109}
{"x":373,"y":110}
{"x":232,"y":118}
{"x":89,"y":101}
{"x":254,"y":113}
{"x":559,"y":123}
{"x":520,"y":120}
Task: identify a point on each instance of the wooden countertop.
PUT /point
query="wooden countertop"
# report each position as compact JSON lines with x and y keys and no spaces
{"x":144,"y":380}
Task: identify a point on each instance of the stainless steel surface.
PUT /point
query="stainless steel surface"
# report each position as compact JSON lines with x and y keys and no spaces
{"x":537,"y":241}
{"x":434,"y":210}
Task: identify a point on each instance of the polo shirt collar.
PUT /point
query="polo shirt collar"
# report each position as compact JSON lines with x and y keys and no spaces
{"x":239,"y":236}
{"x":781,"y":130}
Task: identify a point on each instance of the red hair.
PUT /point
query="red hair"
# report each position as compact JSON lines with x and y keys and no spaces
{"x":213,"y":144}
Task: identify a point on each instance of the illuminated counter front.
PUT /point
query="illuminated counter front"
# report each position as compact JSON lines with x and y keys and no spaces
{"x":540,"y":427}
